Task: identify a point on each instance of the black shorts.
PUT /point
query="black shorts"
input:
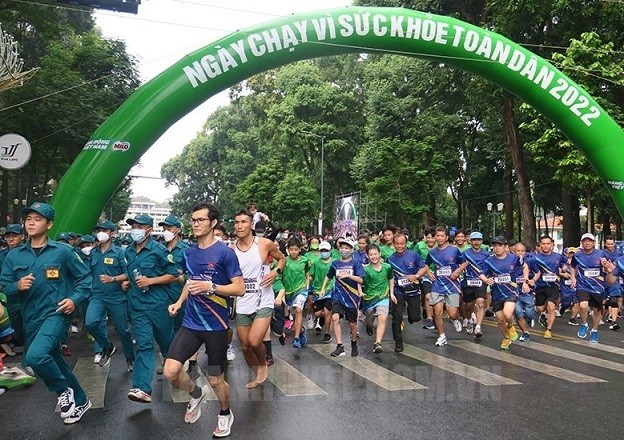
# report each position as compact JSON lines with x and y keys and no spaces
{"x":596,"y":301}
{"x":279,"y":320}
{"x":186,"y":342}
{"x":497,"y":306}
{"x":425,"y":287}
{"x":345,"y":312}
{"x":322,"y":304}
{"x":471,"y":293}
{"x":544,"y":294}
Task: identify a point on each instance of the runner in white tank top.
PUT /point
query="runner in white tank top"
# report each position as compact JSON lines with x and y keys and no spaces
{"x":254,"y":269}
{"x":254,"y":310}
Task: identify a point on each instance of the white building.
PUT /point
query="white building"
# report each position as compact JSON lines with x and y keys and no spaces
{"x":142,"y":205}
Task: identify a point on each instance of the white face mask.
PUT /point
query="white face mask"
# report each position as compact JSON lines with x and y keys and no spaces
{"x":138,"y":235}
{"x":86,"y":250}
{"x":218,"y":238}
{"x":168,"y":236}
{"x":124,"y":246}
{"x":102,"y":237}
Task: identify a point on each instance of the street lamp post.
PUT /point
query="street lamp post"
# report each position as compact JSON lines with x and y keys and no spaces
{"x":322,"y":138}
{"x":538,"y":220}
{"x":495,"y":214}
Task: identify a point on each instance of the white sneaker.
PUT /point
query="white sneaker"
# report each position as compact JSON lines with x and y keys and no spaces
{"x":97,"y":357}
{"x":74,"y":329}
{"x":224,"y":425}
{"x":230,"y":353}
{"x":137,"y":395}
{"x":473,"y":317}
{"x":193,"y":409}
{"x":557,"y":313}
{"x":66,"y":403}
{"x":458,"y":325}
{"x":310,"y":325}
{"x":442,"y":341}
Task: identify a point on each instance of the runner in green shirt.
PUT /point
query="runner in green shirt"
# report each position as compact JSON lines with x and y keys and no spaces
{"x":322,"y":304}
{"x":295,"y":279}
{"x":378,"y":291}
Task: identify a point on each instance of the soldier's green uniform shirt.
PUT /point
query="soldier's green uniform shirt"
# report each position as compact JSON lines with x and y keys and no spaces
{"x":59,"y":273}
{"x":111,"y":262}
{"x":154,"y":260}
{"x":177,"y":252}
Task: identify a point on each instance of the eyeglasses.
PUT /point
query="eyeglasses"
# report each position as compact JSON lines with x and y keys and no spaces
{"x":197,"y":221}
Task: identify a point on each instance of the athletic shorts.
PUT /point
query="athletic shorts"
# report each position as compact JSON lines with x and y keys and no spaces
{"x":345,"y":312}
{"x":471,"y":293}
{"x":186,"y":342}
{"x":544,"y":294}
{"x":451,"y":299}
{"x":297,"y":300}
{"x":497,"y":306}
{"x":596,"y":301}
{"x":245,"y":320}
{"x":321,"y":304}
{"x":425,"y":287}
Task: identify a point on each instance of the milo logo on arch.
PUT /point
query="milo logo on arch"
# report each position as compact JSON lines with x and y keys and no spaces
{"x":121,"y":146}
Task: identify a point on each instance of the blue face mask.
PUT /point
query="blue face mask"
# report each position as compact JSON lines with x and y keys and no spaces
{"x":138,"y":235}
{"x":325,"y":255}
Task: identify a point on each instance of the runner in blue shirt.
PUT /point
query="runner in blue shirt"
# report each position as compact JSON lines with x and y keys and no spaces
{"x":501,"y":272}
{"x":569,"y":299}
{"x":473,"y":289}
{"x":614,"y":292}
{"x":346,"y":294}
{"x":213,"y":274}
{"x":546,"y":266}
{"x":588,"y":278}
{"x":525,"y":306}
{"x":408,"y":268}
{"x":446,"y":286}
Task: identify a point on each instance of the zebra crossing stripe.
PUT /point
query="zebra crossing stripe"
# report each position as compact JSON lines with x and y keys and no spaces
{"x":601,"y":347}
{"x":93,"y":380}
{"x":452,"y":366}
{"x":291,"y":381}
{"x":576,"y":356}
{"x":540,"y":367}
{"x":371,"y":371}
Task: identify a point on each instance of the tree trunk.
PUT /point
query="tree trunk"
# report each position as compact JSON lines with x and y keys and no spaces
{"x":571,"y":219}
{"x":508,"y":201}
{"x":4,"y":198}
{"x":430,"y":215}
{"x":517,"y":158}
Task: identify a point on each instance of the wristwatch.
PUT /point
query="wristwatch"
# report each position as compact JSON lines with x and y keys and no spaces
{"x":213,"y":288}
{"x":278,"y":270}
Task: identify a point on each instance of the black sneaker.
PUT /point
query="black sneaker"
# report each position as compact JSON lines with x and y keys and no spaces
{"x":542,"y":320}
{"x":339,"y":351}
{"x":489,"y":313}
{"x":327,"y":338}
{"x":282,"y":339}
{"x":354,"y":349}
{"x":398,"y":346}
{"x":77,"y":414}
{"x":378,"y":348}
{"x":369,"y":330}
{"x":66,"y":403}
{"x":107,"y":354}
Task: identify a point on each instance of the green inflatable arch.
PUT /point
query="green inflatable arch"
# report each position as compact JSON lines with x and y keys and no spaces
{"x":122,"y":139}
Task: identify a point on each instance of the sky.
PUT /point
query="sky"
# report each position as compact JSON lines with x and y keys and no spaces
{"x":163,"y":32}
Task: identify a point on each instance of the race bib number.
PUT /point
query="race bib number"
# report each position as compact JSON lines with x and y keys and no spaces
{"x":592,"y":273}
{"x":403,"y":281}
{"x":474,"y":283}
{"x":502,"y":279}
{"x":344,"y":271}
{"x":251,"y":285}
{"x":444,"y":272}
{"x":549,"y":278}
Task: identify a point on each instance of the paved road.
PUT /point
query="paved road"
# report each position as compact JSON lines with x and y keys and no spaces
{"x":563,"y":388}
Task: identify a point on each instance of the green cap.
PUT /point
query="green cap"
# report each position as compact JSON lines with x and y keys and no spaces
{"x":171,"y":220}
{"x":63,"y":236}
{"x":106,"y":224}
{"x":87,"y":239}
{"x":14,"y":228}
{"x":142,"y":219}
{"x":40,"y":208}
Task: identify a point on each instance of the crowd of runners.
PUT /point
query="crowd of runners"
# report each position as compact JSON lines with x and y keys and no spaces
{"x":270,"y":284}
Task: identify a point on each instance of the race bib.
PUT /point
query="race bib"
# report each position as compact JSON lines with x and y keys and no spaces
{"x":344,"y":271}
{"x":502,"y":279}
{"x":403,"y":281}
{"x":474,"y":283}
{"x":251,"y":285}
{"x":444,"y":272}
{"x":592,"y":273}
{"x":520,"y":280}
{"x":549,"y":278}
